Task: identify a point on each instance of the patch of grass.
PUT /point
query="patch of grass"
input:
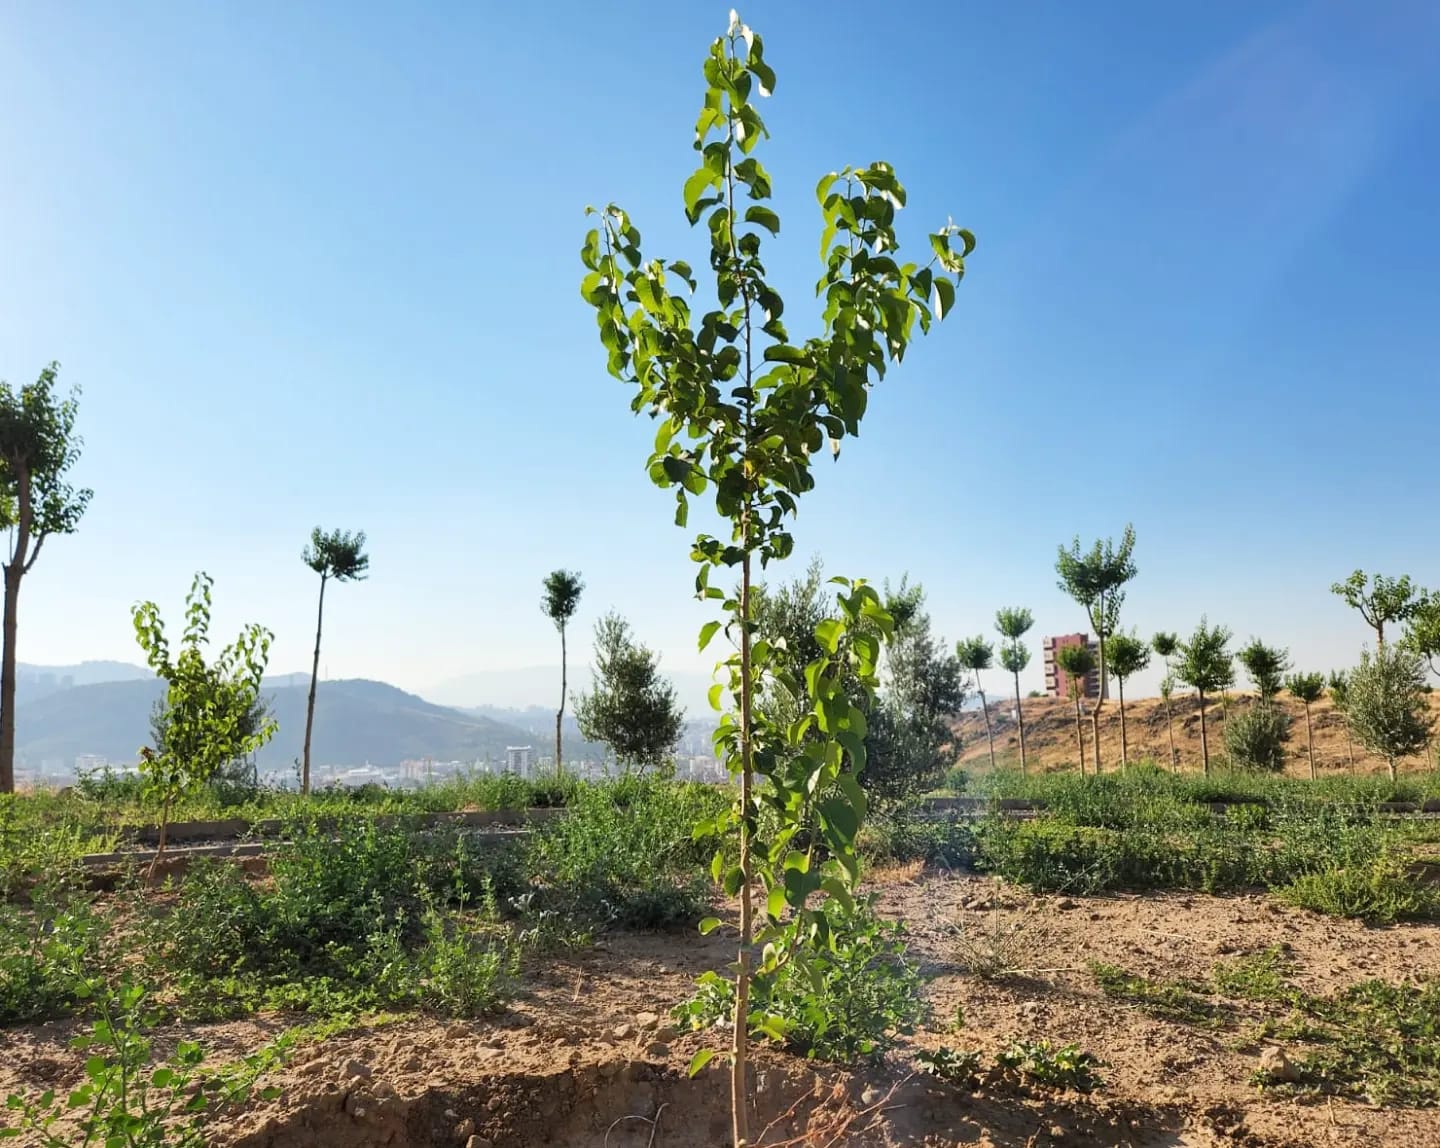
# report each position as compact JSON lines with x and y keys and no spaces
{"x":1380,"y":893}
{"x":1257,"y":976}
{"x":1002,"y":947}
{"x":1162,"y":1000}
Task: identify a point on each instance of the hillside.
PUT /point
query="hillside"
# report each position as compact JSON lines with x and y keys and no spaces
{"x":355,"y":721}
{"x":1050,"y":734}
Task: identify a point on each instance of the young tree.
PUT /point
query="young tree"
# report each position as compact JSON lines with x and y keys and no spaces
{"x":976,"y":654}
{"x":745,"y":411}
{"x":1339,"y":698}
{"x":1388,"y":705}
{"x":1012,"y":625}
{"x":1096,"y":580}
{"x":1077,"y":661}
{"x":1380,"y":600}
{"x":338,"y":556}
{"x":38,"y":446}
{"x":1205,"y":666}
{"x":633,"y":707}
{"x":1309,"y":688}
{"x":1266,"y":666}
{"x":1165,"y":644}
{"x":1422,"y":632}
{"x":210,"y":710}
{"x":561,"y":600}
{"x":1128,"y":657}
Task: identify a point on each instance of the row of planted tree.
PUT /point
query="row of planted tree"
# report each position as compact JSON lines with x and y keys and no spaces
{"x":1383,"y":701}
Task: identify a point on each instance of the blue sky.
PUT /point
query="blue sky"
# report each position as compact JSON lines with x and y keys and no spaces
{"x":318,"y":263}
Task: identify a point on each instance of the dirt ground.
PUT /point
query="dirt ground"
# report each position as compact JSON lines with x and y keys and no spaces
{"x":585,"y":1056}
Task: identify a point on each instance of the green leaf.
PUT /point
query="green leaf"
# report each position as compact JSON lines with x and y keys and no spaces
{"x":764,"y":217}
{"x":828,"y":634}
{"x":822,"y":189}
{"x":775,"y":903}
{"x":780,"y":353}
{"x":700,"y":1060}
{"x":838,"y":890}
{"x":709,"y":925}
{"x":700,"y":181}
{"x":841,"y":816}
{"x":734,"y":878}
{"x":708,"y":631}
{"x":944,"y":297}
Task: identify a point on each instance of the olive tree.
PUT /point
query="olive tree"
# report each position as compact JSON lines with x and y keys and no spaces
{"x":337,"y":556}
{"x":1165,"y":644}
{"x":1206,"y":665}
{"x":560,"y":600}
{"x":1077,"y":661}
{"x":744,"y":412}
{"x":1128,"y":657}
{"x":1096,"y":579}
{"x":1381,"y":601}
{"x":1012,"y":625}
{"x":976,"y":654}
{"x":38,"y":446}
{"x":1388,"y":705}
{"x":1309,"y":689}
{"x":632,"y":707}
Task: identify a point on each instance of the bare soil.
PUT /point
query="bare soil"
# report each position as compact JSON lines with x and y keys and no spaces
{"x":585,"y":1056}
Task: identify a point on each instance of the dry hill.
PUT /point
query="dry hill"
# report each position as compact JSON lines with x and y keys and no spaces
{"x":1050,"y":734}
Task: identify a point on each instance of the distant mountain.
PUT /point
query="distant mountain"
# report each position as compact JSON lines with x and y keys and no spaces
{"x":355,"y":721}
{"x":33,"y":681}
{"x":539,"y":687}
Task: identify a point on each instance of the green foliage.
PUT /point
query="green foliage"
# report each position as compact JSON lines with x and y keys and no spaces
{"x":1422,"y":634}
{"x":1064,"y":1066}
{"x":1206,"y":663}
{"x":337,"y":555}
{"x":1163,"y":1000}
{"x":561,"y":598}
{"x":1127,"y":656}
{"x":1381,"y":601}
{"x":1013,"y":623}
{"x":128,"y":1099}
{"x":1014,"y":657}
{"x":848,"y":1001}
{"x":1339,"y":689}
{"x":208,"y":709}
{"x":1266,"y":666}
{"x":1077,"y":661}
{"x":1165,"y":644}
{"x":958,"y":1068}
{"x":1256,"y":737}
{"x":633,"y":707}
{"x":1308,"y":688}
{"x":1381,"y":893}
{"x":1257,"y":976}
{"x":975,"y":654}
{"x":1387,"y":706}
{"x":41,"y":952}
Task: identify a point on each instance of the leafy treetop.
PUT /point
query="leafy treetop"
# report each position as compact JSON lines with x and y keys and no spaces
{"x":337,"y":555}
{"x":1380,"y":600}
{"x":1266,"y":666}
{"x":975,"y":654}
{"x":1308,"y":688}
{"x":1206,"y":663}
{"x":1127,"y":655}
{"x":561,"y":596}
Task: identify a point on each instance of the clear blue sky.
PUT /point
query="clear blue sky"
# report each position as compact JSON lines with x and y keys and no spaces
{"x":318,"y":263}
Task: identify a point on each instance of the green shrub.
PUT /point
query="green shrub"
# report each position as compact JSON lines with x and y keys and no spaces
{"x":1256,"y":738}
{"x":1065,"y":1066}
{"x":1380,"y":893}
{"x":43,"y":953}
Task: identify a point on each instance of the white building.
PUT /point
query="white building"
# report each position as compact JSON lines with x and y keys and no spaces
{"x":517,"y":760}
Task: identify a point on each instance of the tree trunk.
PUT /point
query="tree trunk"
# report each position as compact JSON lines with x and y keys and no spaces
{"x":985,"y":709}
{"x":1020,"y":721}
{"x":560,"y":713}
{"x":1204,"y":742}
{"x":1350,"y":746}
{"x":1079,"y":734}
{"x":310,"y":704}
{"x":1124,"y":740}
{"x":1390,"y":761}
{"x":1310,"y":740}
{"x":739,"y":1105}
{"x":14,"y":571}
{"x":1170,"y":730}
{"x":1100,"y":691}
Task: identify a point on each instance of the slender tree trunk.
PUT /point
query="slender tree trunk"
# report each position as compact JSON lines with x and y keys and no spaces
{"x":1170,"y":731}
{"x":985,"y":709}
{"x":164,"y":834}
{"x":1390,"y":761}
{"x":1204,"y":741}
{"x":1124,"y":738}
{"x":1310,"y":740}
{"x":1079,"y":734}
{"x":1100,"y":691}
{"x":560,"y":713}
{"x":1020,"y":721}
{"x":314,"y":679}
{"x":14,"y":571}
{"x":739,"y":1098}
{"x":1349,"y":745}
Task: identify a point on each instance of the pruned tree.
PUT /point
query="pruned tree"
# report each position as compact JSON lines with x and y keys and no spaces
{"x":1206,"y":665}
{"x":1339,"y":689}
{"x":745,"y":413}
{"x":1381,"y":601}
{"x":1128,"y":656}
{"x":976,"y":654}
{"x":1266,"y":666}
{"x":38,"y":446}
{"x":559,"y":603}
{"x":1388,"y":704}
{"x":1309,"y":688}
{"x":337,"y":556}
{"x":1096,"y":580}
{"x":1165,"y":644}
{"x":1077,"y":661}
{"x":1422,"y":630}
{"x":632,"y":707}
{"x":210,"y":710}
{"x":1013,"y":624}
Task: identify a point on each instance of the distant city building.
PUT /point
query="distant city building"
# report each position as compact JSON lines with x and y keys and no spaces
{"x":1057,"y":681}
{"x":517,"y":759}
{"x":90,"y":763}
